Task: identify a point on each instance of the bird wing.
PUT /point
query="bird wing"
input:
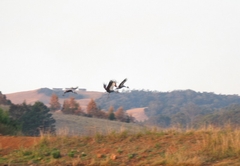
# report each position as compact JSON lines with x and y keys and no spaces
{"x":122,"y":83}
{"x":68,"y":90}
{"x":105,"y":86}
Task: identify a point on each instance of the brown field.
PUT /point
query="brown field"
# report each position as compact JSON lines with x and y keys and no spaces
{"x":32,"y":96}
{"x":138,"y":113}
{"x":10,"y":143}
{"x":150,"y":147}
{"x":28,"y":96}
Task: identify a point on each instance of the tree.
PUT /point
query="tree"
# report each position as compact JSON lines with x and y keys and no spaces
{"x":38,"y":118}
{"x":129,"y":118}
{"x":72,"y":107}
{"x":111,"y":115}
{"x":65,"y":107}
{"x":159,"y":120}
{"x":54,"y":103}
{"x":120,"y":114}
{"x":180,"y":119}
{"x":92,"y":108}
{"x":33,"y":118}
{"x":16,"y":111}
{"x":8,"y":126}
{"x":101,"y":114}
{"x":3,"y":99}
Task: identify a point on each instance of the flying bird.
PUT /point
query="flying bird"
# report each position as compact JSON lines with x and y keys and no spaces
{"x":110,"y":86}
{"x":70,"y":90}
{"x":74,"y":88}
{"x":121,"y":85}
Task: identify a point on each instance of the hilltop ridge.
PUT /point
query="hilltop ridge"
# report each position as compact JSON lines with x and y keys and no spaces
{"x":164,"y":109}
{"x":83,"y":97}
{"x":44,"y":94}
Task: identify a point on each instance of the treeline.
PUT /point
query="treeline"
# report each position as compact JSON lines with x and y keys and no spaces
{"x":162,"y":101}
{"x":71,"y":106}
{"x":229,"y":115}
{"x":24,"y":118}
{"x":183,"y":108}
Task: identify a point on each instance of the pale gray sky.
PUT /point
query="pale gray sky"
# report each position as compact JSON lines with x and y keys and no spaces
{"x":161,"y":45}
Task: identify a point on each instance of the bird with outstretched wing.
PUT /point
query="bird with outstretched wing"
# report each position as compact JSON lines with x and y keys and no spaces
{"x":121,"y":85}
{"x":70,"y":90}
{"x":110,"y":86}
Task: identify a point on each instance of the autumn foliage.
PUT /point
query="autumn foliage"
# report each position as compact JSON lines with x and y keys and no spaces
{"x":71,"y":106}
{"x":54,"y":103}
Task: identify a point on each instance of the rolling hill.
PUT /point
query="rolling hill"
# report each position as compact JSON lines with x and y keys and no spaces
{"x":165,"y":109}
{"x":179,"y":107}
{"x":82,"y":97}
{"x":79,"y":125}
{"x":88,"y":141}
{"x":44,"y":94}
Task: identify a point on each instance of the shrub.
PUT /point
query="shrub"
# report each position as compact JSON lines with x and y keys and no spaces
{"x":56,"y":153}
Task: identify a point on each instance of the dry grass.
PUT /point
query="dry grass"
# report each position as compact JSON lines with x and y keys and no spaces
{"x":30,"y":97}
{"x":205,"y":146}
{"x":138,"y":113}
{"x":221,"y":143}
{"x":78,"y":125}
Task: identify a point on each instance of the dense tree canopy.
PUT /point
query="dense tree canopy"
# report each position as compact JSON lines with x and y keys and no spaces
{"x":33,"y":118}
{"x":7,"y":125}
{"x":182,"y":107}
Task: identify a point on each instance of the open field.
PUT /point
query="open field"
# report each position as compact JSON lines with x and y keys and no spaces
{"x":138,"y":113}
{"x":79,"y":125}
{"x":153,"y":147}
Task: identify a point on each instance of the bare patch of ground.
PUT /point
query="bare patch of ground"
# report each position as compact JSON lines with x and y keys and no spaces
{"x":30,"y":97}
{"x":167,"y":148}
{"x":10,"y":143}
{"x":138,"y":113}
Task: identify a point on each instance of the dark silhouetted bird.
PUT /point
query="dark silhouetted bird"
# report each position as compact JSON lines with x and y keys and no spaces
{"x":70,"y":90}
{"x":121,"y":85}
{"x":110,"y":86}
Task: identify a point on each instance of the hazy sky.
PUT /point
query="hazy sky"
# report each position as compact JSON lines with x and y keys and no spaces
{"x":161,"y":45}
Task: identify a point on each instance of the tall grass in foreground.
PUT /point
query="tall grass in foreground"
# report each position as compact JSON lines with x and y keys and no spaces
{"x":221,"y":142}
{"x":150,"y":146}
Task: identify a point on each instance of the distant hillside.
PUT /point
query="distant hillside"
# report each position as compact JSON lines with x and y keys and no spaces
{"x":44,"y":94}
{"x":82,"y":97}
{"x":161,"y":100}
{"x":165,"y":109}
{"x":181,"y":107}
